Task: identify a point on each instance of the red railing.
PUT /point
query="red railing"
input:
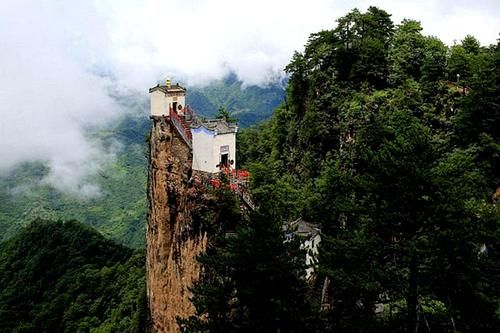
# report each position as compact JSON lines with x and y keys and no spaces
{"x":181,"y":126}
{"x":238,"y":178}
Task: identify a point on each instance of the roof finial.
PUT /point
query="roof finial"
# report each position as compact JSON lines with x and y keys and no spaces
{"x":167,"y":82}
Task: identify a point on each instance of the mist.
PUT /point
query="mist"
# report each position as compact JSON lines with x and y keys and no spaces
{"x":49,"y":94}
{"x":60,"y":60}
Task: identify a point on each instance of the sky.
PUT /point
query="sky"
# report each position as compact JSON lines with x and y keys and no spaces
{"x":59,"y":60}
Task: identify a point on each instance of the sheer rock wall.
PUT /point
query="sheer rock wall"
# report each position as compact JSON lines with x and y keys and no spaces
{"x":172,"y":243}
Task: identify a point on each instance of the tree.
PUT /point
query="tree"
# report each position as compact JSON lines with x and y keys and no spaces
{"x":478,"y":119}
{"x":398,"y":165}
{"x":471,"y":45}
{"x":222,"y":113}
{"x":434,"y":65}
{"x":407,"y":52}
{"x":372,"y":65}
{"x":66,"y":277}
{"x":253,"y":282}
{"x":464,"y":60}
{"x":461,"y":276}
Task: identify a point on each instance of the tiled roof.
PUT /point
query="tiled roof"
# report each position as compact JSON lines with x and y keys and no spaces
{"x":302,"y":228}
{"x":215,"y":125}
{"x":165,"y":89}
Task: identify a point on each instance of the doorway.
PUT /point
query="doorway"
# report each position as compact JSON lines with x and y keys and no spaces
{"x":224,"y":160}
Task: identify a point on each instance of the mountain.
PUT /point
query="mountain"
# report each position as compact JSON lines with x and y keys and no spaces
{"x":249,"y":105}
{"x":399,"y":164}
{"x":119,"y":213}
{"x":66,"y":277}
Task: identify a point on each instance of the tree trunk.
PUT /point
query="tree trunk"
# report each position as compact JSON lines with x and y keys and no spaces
{"x":412,"y":298}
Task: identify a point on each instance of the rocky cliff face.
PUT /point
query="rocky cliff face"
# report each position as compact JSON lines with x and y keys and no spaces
{"x":172,"y":243}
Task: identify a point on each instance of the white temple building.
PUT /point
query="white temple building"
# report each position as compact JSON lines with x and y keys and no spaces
{"x":214,"y":145}
{"x":213,"y":141}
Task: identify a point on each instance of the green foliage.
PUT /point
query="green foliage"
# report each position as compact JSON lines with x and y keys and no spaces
{"x":248,"y":105}
{"x":407,"y":52}
{"x":434,"y":64}
{"x":65,"y":277}
{"x":223,"y":114}
{"x":119,"y":211}
{"x":398,"y":165}
{"x":377,"y":140}
{"x":252,"y":282}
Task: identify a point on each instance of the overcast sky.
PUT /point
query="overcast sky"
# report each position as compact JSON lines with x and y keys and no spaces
{"x":59,"y":58}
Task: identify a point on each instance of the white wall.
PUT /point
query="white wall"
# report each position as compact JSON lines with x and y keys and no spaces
{"x":181,"y":100}
{"x":206,"y":149}
{"x":202,"y":150}
{"x":228,"y":139}
{"x":311,"y":246}
{"x":159,"y":105}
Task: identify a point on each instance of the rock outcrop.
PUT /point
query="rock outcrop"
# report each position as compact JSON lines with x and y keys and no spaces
{"x":172,"y":243}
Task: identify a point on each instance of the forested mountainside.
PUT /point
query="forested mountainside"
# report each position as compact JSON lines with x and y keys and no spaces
{"x":119,"y":212}
{"x":249,"y":105}
{"x":389,"y":139}
{"x":66,"y":277}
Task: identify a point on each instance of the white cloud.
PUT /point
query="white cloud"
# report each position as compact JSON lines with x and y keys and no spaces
{"x":52,"y":50}
{"x":202,"y":40}
{"x":449,"y":20}
{"x":47,"y":94}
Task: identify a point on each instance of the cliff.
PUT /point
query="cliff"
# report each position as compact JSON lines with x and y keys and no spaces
{"x":172,"y":243}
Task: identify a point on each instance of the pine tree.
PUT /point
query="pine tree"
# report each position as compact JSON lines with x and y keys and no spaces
{"x":252,"y":282}
{"x":399,"y":166}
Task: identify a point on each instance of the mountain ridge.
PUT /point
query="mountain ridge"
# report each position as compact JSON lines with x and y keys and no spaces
{"x":119,"y":213}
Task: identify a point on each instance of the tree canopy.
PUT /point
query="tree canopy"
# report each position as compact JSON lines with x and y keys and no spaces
{"x":65,"y":277}
{"x":397,"y":159}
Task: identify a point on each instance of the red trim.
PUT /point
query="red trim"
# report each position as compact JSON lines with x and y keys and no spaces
{"x":174,"y":116}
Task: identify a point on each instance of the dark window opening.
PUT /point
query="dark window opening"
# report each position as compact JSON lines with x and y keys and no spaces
{"x":224,"y":160}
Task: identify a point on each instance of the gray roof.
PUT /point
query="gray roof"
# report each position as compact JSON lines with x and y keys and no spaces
{"x":302,"y":228}
{"x":167,"y":89}
{"x":215,"y":125}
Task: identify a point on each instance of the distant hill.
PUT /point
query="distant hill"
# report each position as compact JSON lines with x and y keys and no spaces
{"x":66,"y":277}
{"x":120,"y":213}
{"x":249,"y":105}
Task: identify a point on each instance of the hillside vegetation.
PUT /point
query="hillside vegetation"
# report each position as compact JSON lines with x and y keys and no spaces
{"x":388,"y":139}
{"x":65,"y":277}
{"x":398,"y":159}
{"x":119,"y":212}
{"x":248,"y":104}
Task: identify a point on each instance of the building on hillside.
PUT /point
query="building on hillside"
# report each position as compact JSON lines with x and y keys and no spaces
{"x":309,"y":235}
{"x":214,"y":144}
{"x":167,"y":97}
{"x":213,"y":141}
